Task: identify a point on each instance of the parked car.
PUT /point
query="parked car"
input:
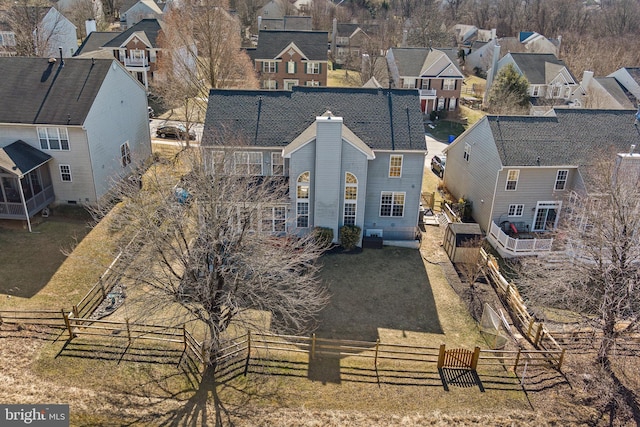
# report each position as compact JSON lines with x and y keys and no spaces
{"x":174,"y":131}
{"x":437,"y":164}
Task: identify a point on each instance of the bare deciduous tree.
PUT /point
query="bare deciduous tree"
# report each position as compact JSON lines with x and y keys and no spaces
{"x":207,"y":250}
{"x":31,"y":37}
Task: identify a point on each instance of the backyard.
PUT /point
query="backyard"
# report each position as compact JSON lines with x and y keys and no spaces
{"x":396,"y":295}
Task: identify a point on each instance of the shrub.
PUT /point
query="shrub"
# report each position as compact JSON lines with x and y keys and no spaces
{"x":349,"y":236}
{"x":323,"y":235}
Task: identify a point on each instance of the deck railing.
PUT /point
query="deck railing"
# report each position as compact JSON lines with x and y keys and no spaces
{"x":517,"y":247}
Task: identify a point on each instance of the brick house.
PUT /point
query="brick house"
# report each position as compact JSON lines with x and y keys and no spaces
{"x":284,"y":59}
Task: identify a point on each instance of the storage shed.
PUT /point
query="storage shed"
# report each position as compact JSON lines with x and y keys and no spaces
{"x":456,"y":237}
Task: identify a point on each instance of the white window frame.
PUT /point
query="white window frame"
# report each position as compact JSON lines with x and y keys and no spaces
{"x":290,"y":83}
{"x":65,"y":170}
{"x":270,"y":84}
{"x":247,"y":160}
{"x":440,"y":103}
{"x":546,"y":206}
{"x":303,"y":187}
{"x":314,"y":83}
{"x":350,"y":210}
{"x":408,"y":83}
{"x":274,"y":219}
{"x":535,"y":90}
{"x":561,"y":180}
{"x":449,"y":84}
{"x":125,"y":154}
{"x":395,"y":169}
{"x":46,"y":135}
{"x":467,"y":151}
{"x":313,"y":68}
{"x":270,"y":67}
{"x":452,"y":104}
{"x":512,"y":180}
{"x":291,"y":67}
{"x":394,"y":203}
{"x":515,"y":210}
{"x":277,"y":164}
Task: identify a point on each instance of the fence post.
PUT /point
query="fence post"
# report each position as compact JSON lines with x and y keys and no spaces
{"x":441,"y":356}
{"x":67,"y":323}
{"x":375,"y":360}
{"x":1,"y":321}
{"x":128,"y":330}
{"x":538,"y":337}
{"x":184,"y":337}
{"x":531,"y":322}
{"x":313,"y":346}
{"x":246,"y":365}
{"x":104,"y":293}
{"x":515,"y":366}
{"x":474,"y":360}
{"x":74,"y":309}
{"x":561,"y":360}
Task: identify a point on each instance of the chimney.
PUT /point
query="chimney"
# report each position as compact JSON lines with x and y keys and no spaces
{"x":259,"y":23}
{"x":90,"y":25}
{"x":493,"y":71}
{"x":334,"y":34}
{"x":586,"y":79}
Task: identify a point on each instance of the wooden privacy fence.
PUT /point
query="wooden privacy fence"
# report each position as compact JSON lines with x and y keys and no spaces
{"x":535,"y":331}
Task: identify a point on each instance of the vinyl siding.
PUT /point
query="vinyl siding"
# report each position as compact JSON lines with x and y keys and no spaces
{"x":119,"y":114}
{"x":474,"y":180}
{"x":328,"y":177}
{"x":81,"y":188}
{"x":394,"y":228}
{"x":302,"y":160}
{"x":534,"y":185}
{"x":355,"y":162}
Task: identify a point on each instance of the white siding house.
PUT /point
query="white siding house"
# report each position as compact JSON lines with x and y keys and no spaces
{"x":69,"y":129}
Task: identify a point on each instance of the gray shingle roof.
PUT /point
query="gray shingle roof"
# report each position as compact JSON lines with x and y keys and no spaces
{"x":313,"y":44}
{"x":409,"y":60}
{"x":382,"y":118}
{"x":617,"y":91}
{"x":95,"y":41}
{"x":574,"y":137}
{"x":19,"y":158}
{"x":151,"y":28}
{"x":36,"y":91}
{"x":346,"y":29}
{"x":533,"y":67}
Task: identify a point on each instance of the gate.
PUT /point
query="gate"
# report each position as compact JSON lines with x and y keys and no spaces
{"x":458,"y":358}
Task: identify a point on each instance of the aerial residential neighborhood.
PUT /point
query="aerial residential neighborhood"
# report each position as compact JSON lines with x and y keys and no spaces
{"x":319,"y":212}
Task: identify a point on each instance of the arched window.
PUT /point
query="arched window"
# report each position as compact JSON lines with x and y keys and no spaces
{"x":302,"y":200}
{"x":350,"y":199}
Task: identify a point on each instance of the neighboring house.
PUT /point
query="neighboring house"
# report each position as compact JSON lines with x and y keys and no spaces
{"x":290,"y":23}
{"x":284,"y":59}
{"x":143,"y":9}
{"x":277,"y":9}
{"x":348,"y":43}
{"x":434,"y":72}
{"x":54,"y":32}
{"x":550,"y":81}
{"x":516,"y":171}
{"x":352,"y":156}
{"x":603,"y":93}
{"x":137,"y":49}
{"x":92,"y":44}
{"x":537,"y":43}
{"x":67,"y":129}
{"x":629,"y":78}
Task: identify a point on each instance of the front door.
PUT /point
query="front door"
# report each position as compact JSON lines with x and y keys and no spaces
{"x":546,"y":216}
{"x":289,"y":84}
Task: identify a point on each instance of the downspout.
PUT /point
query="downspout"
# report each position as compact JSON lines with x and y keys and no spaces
{"x":24,"y":202}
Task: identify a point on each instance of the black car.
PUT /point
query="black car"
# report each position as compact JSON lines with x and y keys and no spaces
{"x":174,"y":131}
{"x":437,"y":164}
